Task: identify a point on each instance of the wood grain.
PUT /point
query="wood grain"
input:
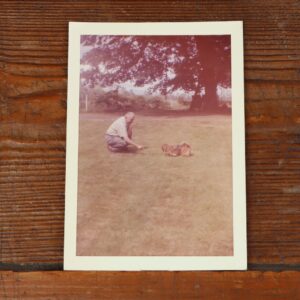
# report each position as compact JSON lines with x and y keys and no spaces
{"x":33,"y":77}
{"x":150,"y":285}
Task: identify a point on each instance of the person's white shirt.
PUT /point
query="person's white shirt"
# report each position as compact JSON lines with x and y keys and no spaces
{"x":118,"y":128}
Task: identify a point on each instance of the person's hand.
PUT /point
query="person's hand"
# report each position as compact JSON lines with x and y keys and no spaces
{"x":140,"y":147}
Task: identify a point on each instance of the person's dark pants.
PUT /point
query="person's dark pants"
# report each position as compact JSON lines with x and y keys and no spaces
{"x":115,"y":143}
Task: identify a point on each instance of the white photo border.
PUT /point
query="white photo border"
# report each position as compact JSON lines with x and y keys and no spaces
{"x":137,"y":263}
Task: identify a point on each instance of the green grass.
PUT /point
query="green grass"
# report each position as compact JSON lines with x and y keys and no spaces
{"x":146,"y":203}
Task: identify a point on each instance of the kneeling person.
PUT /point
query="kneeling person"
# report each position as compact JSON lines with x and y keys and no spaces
{"x":119,"y":134}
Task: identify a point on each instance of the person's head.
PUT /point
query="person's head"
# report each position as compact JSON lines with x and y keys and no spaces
{"x":129,"y":117}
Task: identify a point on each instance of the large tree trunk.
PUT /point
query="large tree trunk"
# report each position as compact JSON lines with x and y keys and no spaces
{"x":210,"y":99}
{"x":197,"y":103}
{"x":208,"y":102}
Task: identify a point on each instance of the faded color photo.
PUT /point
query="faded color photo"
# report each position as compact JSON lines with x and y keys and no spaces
{"x":155,"y":146}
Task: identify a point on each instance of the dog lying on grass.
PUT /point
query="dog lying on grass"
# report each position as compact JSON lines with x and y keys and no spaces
{"x":183,"y":149}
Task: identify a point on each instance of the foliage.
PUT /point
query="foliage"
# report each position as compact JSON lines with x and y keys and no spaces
{"x":161,"y":64}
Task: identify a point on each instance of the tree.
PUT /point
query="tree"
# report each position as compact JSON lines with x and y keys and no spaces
{"x":195,"y":64}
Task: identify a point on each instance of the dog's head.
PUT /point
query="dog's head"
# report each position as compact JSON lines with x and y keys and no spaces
{"x":185,"y":149}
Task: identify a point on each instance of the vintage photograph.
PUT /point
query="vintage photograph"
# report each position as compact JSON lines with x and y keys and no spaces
{"x":154,"y":168}
{"x":155,"y":155}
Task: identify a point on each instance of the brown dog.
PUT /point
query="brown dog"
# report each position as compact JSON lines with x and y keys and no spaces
{"x":183,"y":149}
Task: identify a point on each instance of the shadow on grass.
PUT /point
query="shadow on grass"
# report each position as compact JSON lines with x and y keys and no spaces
{"x":129,"y":150}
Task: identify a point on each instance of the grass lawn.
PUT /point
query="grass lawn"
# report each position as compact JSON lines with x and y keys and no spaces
{"x":146,"y":203}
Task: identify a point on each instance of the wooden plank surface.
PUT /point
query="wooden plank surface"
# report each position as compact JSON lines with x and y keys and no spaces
{"x":150,"y":285}
{"x":33,"y":77}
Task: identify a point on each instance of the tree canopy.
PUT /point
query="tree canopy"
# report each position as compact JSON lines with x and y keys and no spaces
{"x":193,"y":64}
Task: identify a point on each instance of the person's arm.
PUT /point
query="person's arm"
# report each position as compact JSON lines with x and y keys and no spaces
{"x":123,"y":132}
{"x":129,"y":131}
{"x":131,"y":142}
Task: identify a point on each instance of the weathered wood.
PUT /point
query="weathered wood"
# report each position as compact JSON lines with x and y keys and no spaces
{"x":33,"y":70}
{"x":150,"y":285}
